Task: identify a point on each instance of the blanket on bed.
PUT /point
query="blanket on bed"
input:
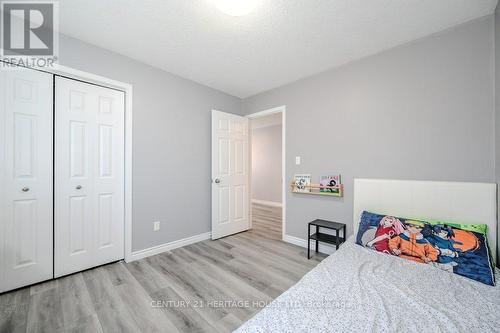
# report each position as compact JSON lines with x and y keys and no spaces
{"x":358,"y":290}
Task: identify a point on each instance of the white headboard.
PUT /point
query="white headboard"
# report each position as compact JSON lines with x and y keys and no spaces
{"x":473,"y":203}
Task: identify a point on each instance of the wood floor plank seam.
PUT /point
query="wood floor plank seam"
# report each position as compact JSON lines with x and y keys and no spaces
{"x":223,"y":282}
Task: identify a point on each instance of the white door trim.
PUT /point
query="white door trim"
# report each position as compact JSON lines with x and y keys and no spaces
{"x":284,"y":182}
{"x":128,"y":89}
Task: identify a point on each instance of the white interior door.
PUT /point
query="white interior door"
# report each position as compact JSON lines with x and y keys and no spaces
{"x":89,"y":164}
{"x":26,"y":223}
{"x":230,"y":174}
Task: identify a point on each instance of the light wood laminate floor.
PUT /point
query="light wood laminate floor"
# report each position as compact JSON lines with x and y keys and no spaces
{"x":211,"y":286}
{"x":266,"y":221}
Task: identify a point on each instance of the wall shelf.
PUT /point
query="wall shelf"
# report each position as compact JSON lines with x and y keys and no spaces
{"x":314,"y":189}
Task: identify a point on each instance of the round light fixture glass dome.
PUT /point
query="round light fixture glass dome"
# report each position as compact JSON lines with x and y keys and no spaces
{"x":235,"y":7}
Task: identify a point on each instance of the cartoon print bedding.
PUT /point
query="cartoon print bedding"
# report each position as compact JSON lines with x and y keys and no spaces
{"x":457,"y":248}
{"x":357,"y":289}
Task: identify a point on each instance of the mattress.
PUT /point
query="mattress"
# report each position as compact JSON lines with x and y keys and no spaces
{"x":357,"y":289}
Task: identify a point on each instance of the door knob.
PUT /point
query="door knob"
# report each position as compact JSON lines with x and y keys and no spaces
{"x":217,"y":181}
{"x":25,"y":189}
{"x":78,"y":187}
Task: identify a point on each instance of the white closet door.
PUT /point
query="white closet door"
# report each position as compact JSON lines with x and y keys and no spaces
{"x":26,"y":218}
{"x":89,"y":162}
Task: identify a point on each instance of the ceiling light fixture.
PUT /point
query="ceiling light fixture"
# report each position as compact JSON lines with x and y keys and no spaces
{"x":235,"y":7}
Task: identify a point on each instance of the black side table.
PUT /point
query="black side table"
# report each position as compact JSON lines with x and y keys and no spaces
{"x":322,"y":237}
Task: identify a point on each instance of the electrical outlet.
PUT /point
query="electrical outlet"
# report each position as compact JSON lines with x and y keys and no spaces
{"x":156,"y":225}
{"x":297,"y":160}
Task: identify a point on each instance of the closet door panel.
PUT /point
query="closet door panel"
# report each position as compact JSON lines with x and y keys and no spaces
{"x":26,"y":217}
{"x":109,"y":176}
{"x":73,"y":205}
{"x":89,"y":176}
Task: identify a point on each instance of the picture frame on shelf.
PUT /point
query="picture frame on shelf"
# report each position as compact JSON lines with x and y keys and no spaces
{"x":302,"y":182}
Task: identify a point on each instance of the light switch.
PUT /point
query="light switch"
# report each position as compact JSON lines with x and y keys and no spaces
{"x":156,"y":225}
{"x":297,"y":160}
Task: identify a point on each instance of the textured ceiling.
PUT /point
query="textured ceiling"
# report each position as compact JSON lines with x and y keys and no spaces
{"x":279,"y":42}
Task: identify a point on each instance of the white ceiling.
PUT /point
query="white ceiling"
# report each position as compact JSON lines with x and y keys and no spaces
{"x":280,"y":42}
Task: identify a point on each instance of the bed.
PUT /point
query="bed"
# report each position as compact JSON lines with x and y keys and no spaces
{"x":357,"y":289}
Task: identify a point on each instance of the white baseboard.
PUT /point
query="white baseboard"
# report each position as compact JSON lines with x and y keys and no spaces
{"x":136,"y":255}
{"x":267,"y":203}
{"x":323,"y":248}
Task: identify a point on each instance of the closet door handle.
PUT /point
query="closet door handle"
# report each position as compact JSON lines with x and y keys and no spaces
{"x":25,"y":189}
{"x":78,"y":187}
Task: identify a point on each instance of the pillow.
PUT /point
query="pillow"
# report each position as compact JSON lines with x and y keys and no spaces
{"x":457,"y":248}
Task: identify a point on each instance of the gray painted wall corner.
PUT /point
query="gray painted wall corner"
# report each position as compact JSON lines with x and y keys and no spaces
{"x":266,"y":163}
{"x":171,"y":142}
{"x":422,"y":111}
{"x":373,"y":100}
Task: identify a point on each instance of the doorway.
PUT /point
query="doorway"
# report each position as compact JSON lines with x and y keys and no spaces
{"x":267,"y":173}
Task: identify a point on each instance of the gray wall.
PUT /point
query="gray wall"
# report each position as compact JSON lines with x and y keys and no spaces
{"x":422,"y":111}
{"x":266,"y":163}
{"x":171,"y":142}
{"x":497,"y":118}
